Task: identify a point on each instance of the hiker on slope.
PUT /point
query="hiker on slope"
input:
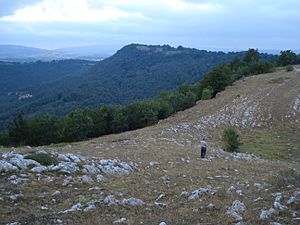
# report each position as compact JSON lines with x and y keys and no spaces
{"x":203,"y":148}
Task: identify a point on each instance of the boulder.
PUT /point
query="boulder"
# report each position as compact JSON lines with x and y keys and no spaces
{"x":265,"y":214}
{"x":132,"y":202}
{"x":7,"y":167}
{"x":236,"y":209}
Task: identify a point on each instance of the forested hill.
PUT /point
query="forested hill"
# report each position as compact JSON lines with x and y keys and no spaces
{"x":134,"y":73}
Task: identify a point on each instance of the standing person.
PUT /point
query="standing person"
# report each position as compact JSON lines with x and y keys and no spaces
{"x":203,"y":148}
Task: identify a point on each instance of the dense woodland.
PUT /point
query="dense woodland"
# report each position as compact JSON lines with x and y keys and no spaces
{"x":134,"y":73}
{"x":81,"y":124}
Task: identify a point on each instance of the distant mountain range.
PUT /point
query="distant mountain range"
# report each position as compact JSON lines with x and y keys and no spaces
{"x":135,"y":72}
{"x":17,"y":53}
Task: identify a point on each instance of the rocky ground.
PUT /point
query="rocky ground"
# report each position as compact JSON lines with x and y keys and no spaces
{"x":155,"y":175}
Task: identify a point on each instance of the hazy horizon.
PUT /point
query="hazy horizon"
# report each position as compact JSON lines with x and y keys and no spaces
{"x":228,"y":25}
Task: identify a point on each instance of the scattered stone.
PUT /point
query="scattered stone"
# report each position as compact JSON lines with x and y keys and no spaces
{"x":44,"y":208}
{"x":162,"y":223}
{"x":14,"y":223}
{"x":67,"y":181}
{"x":110,"y":200}
{"x":236,"y":209}
{"x":210,"y":206}
{"x":100,"y":178}
{"x":122,"y":220}
{"x":275,"y":223}
{"x":56,"y":194}
{"x":86,"y":179}
{"x":277,"y":204}
{"x":76,"y":207}
{"x":90,"y":169}
{"x":90,"y":206}
{"x":39,"y":169}
{"x":295,"y":198}
{"x":133,"y":202}
{"x":16,"y":180}
{"x":160,"y":205}
{"x":153,"y":163}
{"x":22,"y":163}
{"x":160,"y":197}
{"x":265,"y":214}
{"x":7,"y":167}
{"x":258,"y":199}
{"x":197,"y":193}
{"x":244,"y":156}
{"x":65,"y":167}
{"x":184,"y":194}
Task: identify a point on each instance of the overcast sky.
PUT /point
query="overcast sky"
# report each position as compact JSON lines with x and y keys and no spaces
{"x":204,"y":24}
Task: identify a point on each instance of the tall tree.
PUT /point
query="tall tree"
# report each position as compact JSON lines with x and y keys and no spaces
{"x":287,"y":58}
{"x":18,"y":131}
{"x":252,"y":56}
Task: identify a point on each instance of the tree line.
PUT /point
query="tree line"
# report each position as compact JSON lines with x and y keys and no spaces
{"x":82,"y":124}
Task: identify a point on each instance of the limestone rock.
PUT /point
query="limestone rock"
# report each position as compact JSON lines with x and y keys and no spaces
{"x":236,"y":209}
{"x":7,"y":167}
{"x":133,"y":202}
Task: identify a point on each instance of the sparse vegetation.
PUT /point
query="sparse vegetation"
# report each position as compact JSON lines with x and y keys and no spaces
{"x":45,"y":159}
{"x":231,"y":139}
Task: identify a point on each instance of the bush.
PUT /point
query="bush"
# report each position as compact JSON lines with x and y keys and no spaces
{"x":207,"y":93}
{"x":289,"y":68}
{"x":45,"y":159}
{"x":231,"y":139}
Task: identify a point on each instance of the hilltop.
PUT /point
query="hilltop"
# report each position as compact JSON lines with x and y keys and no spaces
{"x":156,"y":173}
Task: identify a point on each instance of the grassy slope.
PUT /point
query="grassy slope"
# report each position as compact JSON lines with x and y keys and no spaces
{"x":171,"y":143}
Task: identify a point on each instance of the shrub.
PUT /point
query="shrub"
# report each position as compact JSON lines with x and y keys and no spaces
{"x":45,"y":159}
{"x":289,"y":68}
{"x":207,"y":93}
{"x":231,"y":139}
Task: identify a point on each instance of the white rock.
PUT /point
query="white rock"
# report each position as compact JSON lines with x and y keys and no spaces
{"x":100,"y":178}
{"x":90,"y":206}
{"x":90,"y":169}
{"x":14,"y":223}
{"x":56,"y":194}
{"x":16,"y":180}
{"x":7,"y":167}
{"x":110,"y":200}
{"x":62,"y":157}
{"x":86,"y":179}
{"x":67,"y":181}
{"x":133,"y":202}
{"x":39,"y":169}
{"x":122,"y":220}
{"x":295,"y":198}
{"x":75,"y":158}
{"x":184,"y":194}
{"x":23,"y":163}
{"x":12,"y":154}
{"x":162,"y":223}
{"x":153,"y":163}
{"x":197,"y":193}
{"x":65,"y":167}
{"x":258,"y":199}
{"x":210,"y":206}
{"x":236,"y":209}
{"x":76,"y":207}
{"x":275,"y":223}
{"x":160,"y":205}
{"x":265,"y":214}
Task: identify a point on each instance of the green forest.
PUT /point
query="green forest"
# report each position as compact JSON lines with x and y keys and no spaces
{"x":81,"y":124}
{"x":136,"y":72}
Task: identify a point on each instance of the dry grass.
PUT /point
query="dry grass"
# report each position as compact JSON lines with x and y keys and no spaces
{"x":171,"y":150}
